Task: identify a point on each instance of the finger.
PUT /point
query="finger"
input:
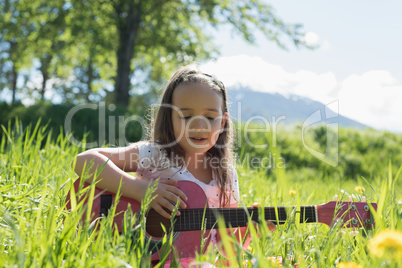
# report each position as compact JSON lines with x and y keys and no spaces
{"x":271,"y":226}
{"x":256,"y":227}
{"x":168,"y":182}
{"x":255,"y":224}
{"x":162,"y":212}
{"x":178,"y":192}
{"x":165,"y":203}
{"x":174,"y":198}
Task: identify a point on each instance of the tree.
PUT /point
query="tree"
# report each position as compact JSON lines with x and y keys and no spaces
{"x":135,"y":43}
{"x":158,"y":35}
{"x":50,"y":33}
{"x":68,"y":57}
{"x":14,"y":35}
{"x":46,"y":43}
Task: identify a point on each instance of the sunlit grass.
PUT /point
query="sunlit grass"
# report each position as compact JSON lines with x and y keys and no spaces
{"x":37,"y":231}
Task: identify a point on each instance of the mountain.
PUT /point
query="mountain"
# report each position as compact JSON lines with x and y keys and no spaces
{"x":245,"y":103}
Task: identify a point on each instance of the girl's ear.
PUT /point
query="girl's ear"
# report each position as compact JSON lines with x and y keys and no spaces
{"x":223,"y":122}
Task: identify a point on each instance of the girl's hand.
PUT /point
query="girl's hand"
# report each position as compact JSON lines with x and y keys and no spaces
{"x":165,"y":194}
{"x":271,"y":225}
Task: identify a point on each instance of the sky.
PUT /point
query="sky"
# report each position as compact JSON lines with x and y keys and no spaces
{"x":358,"y":63}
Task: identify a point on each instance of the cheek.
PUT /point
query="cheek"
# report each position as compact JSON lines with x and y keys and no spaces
{"x":174,"y":123}
{"x":178,"y":127}
{"x":216,"y":127}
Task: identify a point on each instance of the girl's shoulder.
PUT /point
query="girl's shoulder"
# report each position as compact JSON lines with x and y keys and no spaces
{"x":150,"y":148}
{"x":150,"y":153}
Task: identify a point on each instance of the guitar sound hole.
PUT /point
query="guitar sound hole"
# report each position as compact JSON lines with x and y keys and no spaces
{"x":105,"y":204}
{"x":153,"y":224}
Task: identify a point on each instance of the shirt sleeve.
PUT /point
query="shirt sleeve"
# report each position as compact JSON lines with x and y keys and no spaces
{"x":150,"y":156}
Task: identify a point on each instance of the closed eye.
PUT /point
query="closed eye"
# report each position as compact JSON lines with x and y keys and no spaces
{"x":188,"y":117}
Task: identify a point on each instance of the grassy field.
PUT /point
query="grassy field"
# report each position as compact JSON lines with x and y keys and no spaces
{"x":37,"y":231}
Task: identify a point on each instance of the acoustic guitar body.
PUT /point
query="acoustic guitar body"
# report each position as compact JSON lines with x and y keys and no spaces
{"x":186,"y":243}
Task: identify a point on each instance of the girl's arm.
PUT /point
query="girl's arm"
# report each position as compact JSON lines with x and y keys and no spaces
{"x":120,"y":161}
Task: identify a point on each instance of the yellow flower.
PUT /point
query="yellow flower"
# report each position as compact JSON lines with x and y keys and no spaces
{"x":349,"y":265}
{"x":360,"y":189}
{"x":292,"y":192}
{"x":387,"y":244}
{"x":275,"y":260}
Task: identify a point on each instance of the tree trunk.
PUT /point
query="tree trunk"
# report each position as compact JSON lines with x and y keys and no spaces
{"x":14,"y":83}
{"x":90,"y":74}
{"x":128,"y":25}
{"x":44,"y":68}
{"x":44,"y":82}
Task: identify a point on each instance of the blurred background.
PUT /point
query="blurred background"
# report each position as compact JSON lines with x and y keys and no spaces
{"x":57,"y":54}
{"x":282,"y":61}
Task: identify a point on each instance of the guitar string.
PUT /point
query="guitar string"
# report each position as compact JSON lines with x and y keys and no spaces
{"x":308,"y":214}
{"x":227,"y":214}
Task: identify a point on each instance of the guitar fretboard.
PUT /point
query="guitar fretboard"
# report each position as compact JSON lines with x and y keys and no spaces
{"x":193,"y":219}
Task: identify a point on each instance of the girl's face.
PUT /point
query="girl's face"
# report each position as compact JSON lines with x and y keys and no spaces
{"x":197,"y":117}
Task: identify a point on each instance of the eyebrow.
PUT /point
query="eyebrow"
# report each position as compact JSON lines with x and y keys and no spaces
{"x":208,"y":109}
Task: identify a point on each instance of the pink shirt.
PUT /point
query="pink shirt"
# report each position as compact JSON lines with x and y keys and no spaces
{"x":151,"y":155}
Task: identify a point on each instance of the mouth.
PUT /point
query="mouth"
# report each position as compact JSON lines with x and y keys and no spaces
{"x":197,"y":140}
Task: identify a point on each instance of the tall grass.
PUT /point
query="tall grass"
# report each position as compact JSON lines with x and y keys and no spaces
{"x":37,"y":231}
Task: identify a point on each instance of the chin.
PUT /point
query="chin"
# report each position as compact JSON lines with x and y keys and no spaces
{"x":191,"y":149}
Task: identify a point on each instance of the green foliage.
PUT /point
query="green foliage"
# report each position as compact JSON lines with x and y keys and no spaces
{"x":81,"y":47}
{"x":361,"y":153}
{"x":84,"y":123}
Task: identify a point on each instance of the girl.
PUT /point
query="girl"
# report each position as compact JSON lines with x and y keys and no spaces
{"x":191,"y":139}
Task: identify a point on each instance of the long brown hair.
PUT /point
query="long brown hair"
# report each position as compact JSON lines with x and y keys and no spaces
{"x":162,"y":127}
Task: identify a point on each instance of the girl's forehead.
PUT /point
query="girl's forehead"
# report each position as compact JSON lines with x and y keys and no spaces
{"x":197,"y":96}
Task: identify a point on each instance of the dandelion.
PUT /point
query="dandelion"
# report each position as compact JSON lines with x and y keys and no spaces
{"x":275,"y":260}
{"x":386,"y":244}
{"x":292,"y":192}
{"x":349,"y":265}
{"x":360,"y":189}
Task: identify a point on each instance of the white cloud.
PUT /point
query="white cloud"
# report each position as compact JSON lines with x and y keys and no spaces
{"x":313,"y":85}
{"x":248,"y":71}
{"x":373,"y":98}
{"x":264,"y":76}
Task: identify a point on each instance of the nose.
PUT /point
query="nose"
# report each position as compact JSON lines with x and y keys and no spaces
{"x":198,"y":123}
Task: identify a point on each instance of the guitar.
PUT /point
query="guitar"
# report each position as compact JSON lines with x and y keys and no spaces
{"x":187,"y":227}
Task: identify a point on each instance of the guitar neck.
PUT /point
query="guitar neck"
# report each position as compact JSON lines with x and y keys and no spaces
{"x":194,"y":219}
